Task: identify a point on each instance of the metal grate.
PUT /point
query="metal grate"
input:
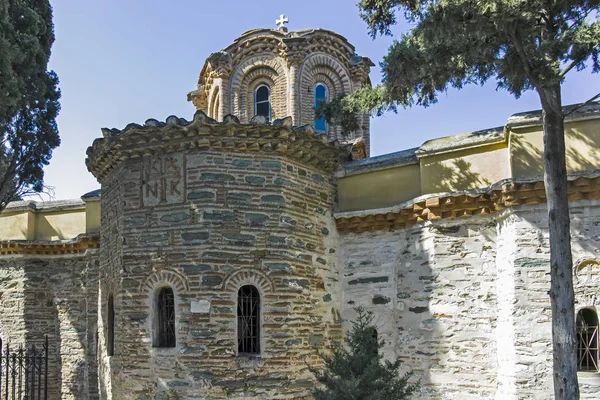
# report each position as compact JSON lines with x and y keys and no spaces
{"x":166,"y":318}
{"x":248,"y":313}
{"x":587,"y":347}
{"x":24,"y":373}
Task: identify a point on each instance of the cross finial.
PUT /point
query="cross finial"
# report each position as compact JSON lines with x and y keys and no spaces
{"x":281,"y":22}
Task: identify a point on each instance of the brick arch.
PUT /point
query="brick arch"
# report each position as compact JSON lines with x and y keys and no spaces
{"x":257,"y":77}
{"x":213,"y":109}
{"x":243,"y":277}
{"x":321,"y":67}
{"x":165,"y":276}
{"x":270,"y":62}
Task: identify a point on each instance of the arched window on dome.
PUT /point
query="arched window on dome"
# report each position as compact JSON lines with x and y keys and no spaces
{"x":164,"y":318}
{"x":248,"y":316}
{"x":587,"y":340}
{"x":110,"y":327}
{"x":262,"y":101}
{"x":320,"y":97}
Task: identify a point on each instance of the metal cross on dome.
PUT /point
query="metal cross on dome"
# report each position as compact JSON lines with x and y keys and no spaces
{"x":282,"y":21}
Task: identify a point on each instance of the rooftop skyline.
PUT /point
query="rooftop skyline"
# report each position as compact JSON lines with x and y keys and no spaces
{"x":122,"y":62}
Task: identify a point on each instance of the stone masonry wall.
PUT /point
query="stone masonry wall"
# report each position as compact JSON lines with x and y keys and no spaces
{"x":54,"y":296}
{"x":464,"y":302}
{"x":206,"y":223}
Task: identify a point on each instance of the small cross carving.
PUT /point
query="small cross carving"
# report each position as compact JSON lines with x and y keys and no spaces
{"x":282,"y":21}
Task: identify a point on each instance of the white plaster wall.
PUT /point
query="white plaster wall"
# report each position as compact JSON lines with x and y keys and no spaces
{"x":465,"y":303}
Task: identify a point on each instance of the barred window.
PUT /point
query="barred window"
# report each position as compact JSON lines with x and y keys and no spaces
{"x":587,"y":340}
{"x":262,"y":102}
{"x":110,"y":327}
{"x":164,"y":329}
{"x":248,"y":314}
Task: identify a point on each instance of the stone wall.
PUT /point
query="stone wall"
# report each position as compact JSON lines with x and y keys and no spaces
{"x":206,"y":223}
{"x":464,"y":302}
{"x":54,"y":296}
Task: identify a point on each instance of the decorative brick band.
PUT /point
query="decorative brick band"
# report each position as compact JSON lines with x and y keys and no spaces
{"x":500,"y":196}
{"x":78,"y":245}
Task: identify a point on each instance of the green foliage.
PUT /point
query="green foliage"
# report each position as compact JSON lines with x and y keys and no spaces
{"x":358,"y":371}
{"x":28,"y":97}
{"x":524,"y":44}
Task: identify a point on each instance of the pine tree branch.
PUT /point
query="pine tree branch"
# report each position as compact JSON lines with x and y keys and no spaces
{"x":591,"y":100}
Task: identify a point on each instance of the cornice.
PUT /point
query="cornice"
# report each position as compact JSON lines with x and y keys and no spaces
{"x":79,"y":245}
{"x":446,"y":206}
{"x":204,"y":133}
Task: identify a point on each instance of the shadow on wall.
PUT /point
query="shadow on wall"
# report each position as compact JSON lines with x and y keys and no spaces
{"x":456,"y":175}
{"x":43,"y":297}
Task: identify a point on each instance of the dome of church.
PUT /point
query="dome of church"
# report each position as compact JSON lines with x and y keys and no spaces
{"x":271,"y":74}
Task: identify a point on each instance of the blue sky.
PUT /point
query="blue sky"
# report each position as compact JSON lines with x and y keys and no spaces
{"x":122,"y":61}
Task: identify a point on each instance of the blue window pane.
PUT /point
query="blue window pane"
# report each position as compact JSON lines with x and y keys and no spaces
{"x":320,"y":97}
{"x":262,"y":109}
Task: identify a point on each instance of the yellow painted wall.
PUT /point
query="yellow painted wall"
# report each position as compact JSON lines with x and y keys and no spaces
{"x":464,"y":169}
{"x":378,"y":189}
{"x":59,"y":225}
{"x":17,"y":225}
{"x":92,"y":215}
{"x":582,"y":139}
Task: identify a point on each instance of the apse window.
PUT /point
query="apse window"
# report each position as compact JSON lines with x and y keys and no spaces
{"x":587,"y":340}
{"x":320,"y":98}
{"x":248,"y":315}
{"x":164,"y":329}
{"x":110,"y":327}
{"x":262,"y":102}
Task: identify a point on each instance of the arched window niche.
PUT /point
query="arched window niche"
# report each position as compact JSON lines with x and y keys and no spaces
{"x":587,"y":340}
{"x":248,"y":320}
{"x":110,"y":326}
{"x":262,"y":101}
{"x":164,"y":318}
{"x":321,"y":96}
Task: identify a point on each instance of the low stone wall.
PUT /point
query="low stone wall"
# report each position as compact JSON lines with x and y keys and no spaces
{"x":54,"y":296}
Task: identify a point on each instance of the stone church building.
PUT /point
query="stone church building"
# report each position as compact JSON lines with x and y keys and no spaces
{"x":224,"y":251}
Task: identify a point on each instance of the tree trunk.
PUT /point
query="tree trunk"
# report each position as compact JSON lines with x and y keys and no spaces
{"x":564,"y":339}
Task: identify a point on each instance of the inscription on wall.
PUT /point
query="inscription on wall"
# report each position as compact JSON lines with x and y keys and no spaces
{"x":163,"y":179}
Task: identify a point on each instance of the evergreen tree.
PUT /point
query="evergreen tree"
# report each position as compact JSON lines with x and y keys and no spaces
{"x":524,"y":45}
{"x":28,"y":97}
{"x":358,"y":371}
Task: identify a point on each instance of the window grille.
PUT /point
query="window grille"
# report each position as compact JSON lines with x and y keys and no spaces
{"x":587,"y":340}
{"x":248,"y":314}
{"x":320,"y":97}
{"x":262,"y":102}
{"x":110,"y":327}
{"x":165,"y":318}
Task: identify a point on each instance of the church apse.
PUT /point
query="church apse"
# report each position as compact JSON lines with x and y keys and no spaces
{"x":219,"y":252}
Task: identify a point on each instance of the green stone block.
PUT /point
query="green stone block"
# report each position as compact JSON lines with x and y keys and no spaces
{"x":289,"y":221}
{"x":278,"y":240}
{"x":301,"y":172}
{"x":317,"y":178}
{"x":219,"y":160}
{"x":279,"y":267}
{"x":273,"y":199}
{"x":194,"y":236}
{"x":379,"y":299}
{"x":175,"y":218}
{"x":327,"y":298}
{"x":293,"y":342}
{"x":255,"y":180}
{"x":212,"y":280}
{"x":315,"y":340}
{"x":220,"y":255}
{"x":159,"y":239}
{"x":135,"y":222}
{"x":303,"y":283}
{"x":219,"y":215}
{"x":199,"y":195}
{"x":284,"y":182}
{"x":270,"y":164}
{"x":216,"y":177}
{"x":192,"y":269}
{"x":239,"y":197}
{"x":240,"y":163}
{"x":240,"y":239}
{"x":257,"y":219}
{"x":376,"y":279}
